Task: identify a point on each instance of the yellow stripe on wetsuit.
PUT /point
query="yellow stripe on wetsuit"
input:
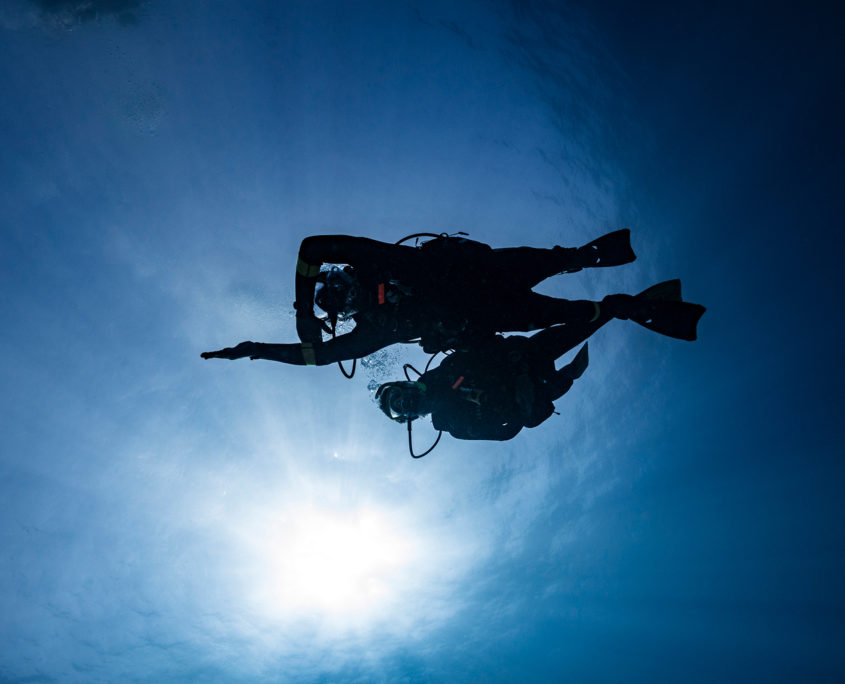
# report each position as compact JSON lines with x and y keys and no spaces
{"x":308,"y":354}
{"x":305,"y":269}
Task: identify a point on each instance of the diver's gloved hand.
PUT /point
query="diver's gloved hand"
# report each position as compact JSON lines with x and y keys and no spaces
{"x":309,"y":327}
{"x":232,"y":353}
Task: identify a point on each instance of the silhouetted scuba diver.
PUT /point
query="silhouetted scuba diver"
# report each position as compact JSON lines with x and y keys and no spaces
{"x":507,"y":383}
{"x":447,"y":293}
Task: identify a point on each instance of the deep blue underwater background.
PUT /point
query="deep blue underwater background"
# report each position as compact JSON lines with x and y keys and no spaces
{"x":170,"y":519}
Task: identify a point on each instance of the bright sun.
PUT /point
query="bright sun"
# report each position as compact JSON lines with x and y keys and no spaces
{"x":337,"y":564}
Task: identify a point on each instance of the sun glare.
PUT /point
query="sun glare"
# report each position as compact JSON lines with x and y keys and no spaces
{"x":336,"y":564}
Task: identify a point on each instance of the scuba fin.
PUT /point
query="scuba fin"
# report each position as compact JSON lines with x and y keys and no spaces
{"x":667,"y":291}
{"x":613,"y":249}
{"x":575,"y":368}
{"x":661,"y":309}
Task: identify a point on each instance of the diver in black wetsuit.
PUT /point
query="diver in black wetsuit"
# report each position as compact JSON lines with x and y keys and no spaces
{"x":448,"y":293}
{"x":506,"y":383}
{"x":491,"y":392}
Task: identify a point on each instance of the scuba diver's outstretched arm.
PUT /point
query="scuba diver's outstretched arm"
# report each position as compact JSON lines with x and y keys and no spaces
{"x":296,"y":354}
{"x":353,"y":345}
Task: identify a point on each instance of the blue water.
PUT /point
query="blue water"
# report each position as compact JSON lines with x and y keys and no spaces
{"x":166,"y":519}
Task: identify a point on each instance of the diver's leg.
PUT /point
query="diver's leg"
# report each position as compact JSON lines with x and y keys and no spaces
{"x":552,"y":384}
{"x":558,"y":385}
{"x":561,"y":380}
{"x":526,"y":311}
{"x":525,"y":267}
{"x":555,"y":341}
{"x":528,"y":266}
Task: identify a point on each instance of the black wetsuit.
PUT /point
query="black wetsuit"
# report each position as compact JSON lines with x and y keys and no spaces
{"x":505,"y":384}
{"x":450,"y":293}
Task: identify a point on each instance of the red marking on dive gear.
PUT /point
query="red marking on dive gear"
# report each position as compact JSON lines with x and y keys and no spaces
{"x":381,"y":293}
{"x":458,"y":382}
